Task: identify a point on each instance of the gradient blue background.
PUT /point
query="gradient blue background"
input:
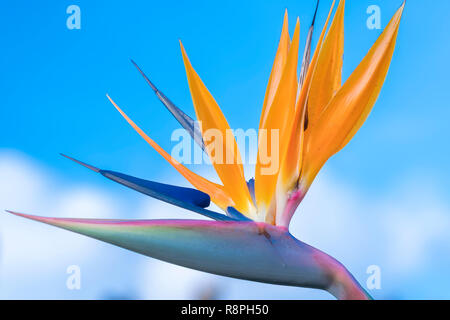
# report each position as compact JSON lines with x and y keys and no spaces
{"x":54,"y":80}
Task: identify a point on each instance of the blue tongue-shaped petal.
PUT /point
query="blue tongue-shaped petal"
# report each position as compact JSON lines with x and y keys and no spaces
{"x":186,"y":122}
{"x":236,"y":215}
{"x":159,"y":191}
{"x":187,"y":198}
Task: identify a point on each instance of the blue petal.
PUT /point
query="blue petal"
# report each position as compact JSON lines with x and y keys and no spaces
{"x":236,"y":215}
{"x":159,"y":191}
{"x":186,"y":122}
{"x":251,"y":189}
{"x":187,"y":198}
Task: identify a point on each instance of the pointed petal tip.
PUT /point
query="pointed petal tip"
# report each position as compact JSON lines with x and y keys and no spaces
{"x":285,"y":23}
{"x":16,"y":213}
{"x":296,"y":35}
{"x":144,"y":75}
{"x":113,"y":103}
{"x":186,"y":121}
{"x":398,"y":14}
{"x":315,"y":14}
{"x":297,"y":29}
{"x":95,"y":169}
{"x":23,"y":215}
{"x":183,"y":53}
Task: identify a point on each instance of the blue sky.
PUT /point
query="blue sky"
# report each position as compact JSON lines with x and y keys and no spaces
{"x":54,"y":79}
{"x":54,"y":82}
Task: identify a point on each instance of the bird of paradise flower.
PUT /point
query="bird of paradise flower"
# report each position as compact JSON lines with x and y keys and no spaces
{"x":315,"y":115}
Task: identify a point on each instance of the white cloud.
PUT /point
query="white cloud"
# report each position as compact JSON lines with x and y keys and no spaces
{"x":33,"y":256}
{"x":161,"y":280}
